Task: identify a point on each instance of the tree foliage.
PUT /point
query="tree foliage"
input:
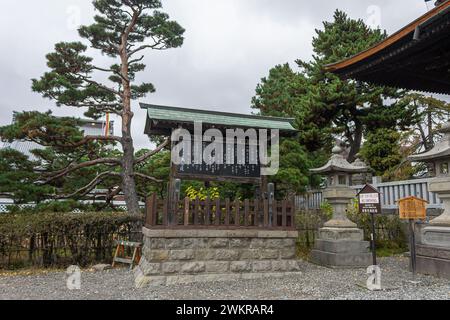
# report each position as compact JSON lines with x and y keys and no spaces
{"x":349,"y":107}
{"x":122,"y":30}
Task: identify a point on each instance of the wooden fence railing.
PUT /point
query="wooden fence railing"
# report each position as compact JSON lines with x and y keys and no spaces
{"x":225,"y":214}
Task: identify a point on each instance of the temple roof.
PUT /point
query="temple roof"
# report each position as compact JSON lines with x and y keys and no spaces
{"x":162,"y":119}
{"x":417,"y":57}
{"x":338,"y":163}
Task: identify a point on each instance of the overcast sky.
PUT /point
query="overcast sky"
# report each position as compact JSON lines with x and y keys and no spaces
{"x":229,"y":46}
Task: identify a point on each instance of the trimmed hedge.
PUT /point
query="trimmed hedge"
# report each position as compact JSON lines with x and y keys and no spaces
{"x":61,"y":239}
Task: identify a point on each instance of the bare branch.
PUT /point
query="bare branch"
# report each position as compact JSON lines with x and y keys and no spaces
{"x":146,"y":177}
{"x":136,"y":60}
{"x":89,"y":187}
{"x":109,"y":70}
{"x":152,"y":153}
{"x":73,"y":167}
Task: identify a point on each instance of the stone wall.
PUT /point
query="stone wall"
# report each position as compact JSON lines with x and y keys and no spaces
{"x":185,"y":256}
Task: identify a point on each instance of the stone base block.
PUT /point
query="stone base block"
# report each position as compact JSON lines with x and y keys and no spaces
{"x":154,"y":281}
{"x":342,"y":260}
{"x":343,"y":246}
{"x":186,"y":256}
{"x":341,"y":234}
{"x":436,"y":236}
{"x":433,"y":261}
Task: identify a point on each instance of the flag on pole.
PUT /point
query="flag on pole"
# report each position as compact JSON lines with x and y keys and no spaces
{"x":107,"y":125}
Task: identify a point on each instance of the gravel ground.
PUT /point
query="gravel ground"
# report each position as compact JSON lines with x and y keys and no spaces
{"x":314,"y":283}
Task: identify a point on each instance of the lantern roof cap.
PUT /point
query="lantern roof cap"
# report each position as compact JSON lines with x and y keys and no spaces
{"x":338,"y":163}
{"x":440,"y":150}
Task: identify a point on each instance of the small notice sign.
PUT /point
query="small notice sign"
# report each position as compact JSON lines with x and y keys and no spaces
{"x":412,"y":208}
{"x":369,"y":200}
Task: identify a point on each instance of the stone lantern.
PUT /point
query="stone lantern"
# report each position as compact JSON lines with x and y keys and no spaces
{"x":340,"y":243}
{"x":433,"y":253}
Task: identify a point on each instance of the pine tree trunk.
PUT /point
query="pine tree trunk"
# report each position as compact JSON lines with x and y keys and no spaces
{"x":355,"y":147}
{"x":128,"y":179}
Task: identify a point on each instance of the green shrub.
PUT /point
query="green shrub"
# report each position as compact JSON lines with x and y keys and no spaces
{"x":390,"y":231}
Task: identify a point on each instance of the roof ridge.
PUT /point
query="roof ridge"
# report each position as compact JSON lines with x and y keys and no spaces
{"x":147,"y":106}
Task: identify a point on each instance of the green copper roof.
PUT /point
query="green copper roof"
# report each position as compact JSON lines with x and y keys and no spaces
{"x":188,"y":116}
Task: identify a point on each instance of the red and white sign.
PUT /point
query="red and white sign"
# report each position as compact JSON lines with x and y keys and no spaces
{"x":369,"y":198}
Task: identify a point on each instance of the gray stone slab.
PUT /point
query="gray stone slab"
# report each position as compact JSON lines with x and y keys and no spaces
{"x":341,"y":234}
{"x":436,"y":236}
{"x":433,"y":266}
{"x":342,"y":246}
{"x":433,"y":252}
{"x":341,"y":260}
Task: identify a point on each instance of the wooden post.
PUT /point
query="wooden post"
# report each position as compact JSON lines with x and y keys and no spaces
{"x":187,"y":203}
{"x":284,"y":214}
{"x":274,"y":218}
{"x":237,"y":216}
{"x":256,"y":215}
{"x":266,"y":213}
{"x":166,"y":218}
{"x":152,"y":215}
{"x":196,"y":211}
{"x":271,"y":198}
{"x":246,"y":211}
{"x":207,"y":212}
{"x":218,"y":212}
{"x":412,"y":244}
{"x":263,"y":187}
{"x":227,"y":212}
{"x":293,"y":212}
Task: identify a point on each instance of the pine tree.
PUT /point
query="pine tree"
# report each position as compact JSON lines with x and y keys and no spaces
{"x":123,"y":30}
{"x":348,"y":107}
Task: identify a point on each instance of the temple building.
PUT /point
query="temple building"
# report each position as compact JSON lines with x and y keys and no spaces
{"x":417,"y":57}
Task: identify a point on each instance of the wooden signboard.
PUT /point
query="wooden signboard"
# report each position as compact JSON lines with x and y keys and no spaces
{"x":412,"y":208}
{"x":236,"y":172}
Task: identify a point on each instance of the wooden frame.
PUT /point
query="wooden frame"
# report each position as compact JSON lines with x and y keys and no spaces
{"x":218,"y":214}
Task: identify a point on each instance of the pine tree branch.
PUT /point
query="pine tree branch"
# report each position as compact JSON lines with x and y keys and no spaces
{"x":74,"y":167}
{"x":87,"y":188}
{"x":147,"y":177}
{"x":109,"y":70}
{"x":85,"y":140}
{"x":153,"y":152}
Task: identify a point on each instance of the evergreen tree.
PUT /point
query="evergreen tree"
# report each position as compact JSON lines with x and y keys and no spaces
{"x":123,"y":30}
{"x":349,"y":107}
{"x":382,"y":151}
{"x":430,"y":113}
{"x":284,"y":94}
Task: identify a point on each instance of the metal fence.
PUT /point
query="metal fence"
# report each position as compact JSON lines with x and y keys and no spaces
{"x":391,"y":192}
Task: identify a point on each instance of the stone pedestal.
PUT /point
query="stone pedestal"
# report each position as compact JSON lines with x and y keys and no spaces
{"x":186,"y":256}
{"x":341,"y":248}
{"x":341,"y":244}
{"x":433,"y":251}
